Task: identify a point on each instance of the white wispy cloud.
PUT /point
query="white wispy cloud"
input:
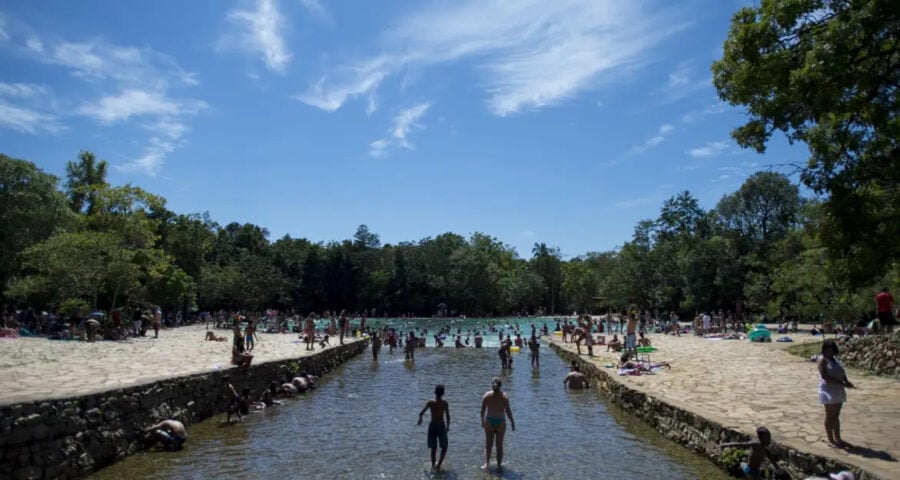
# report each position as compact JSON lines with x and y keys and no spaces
{"x":316,"y":9}
{"x":540,"y":54}
{"x":714,"y":109}
{"x":22,"y":89}
{"x":3,"y":34}
{"x":25,"y":120}
{"x":682,"y":82}
{"x":404,"y":124}
{"x":652,"y":142}
{"x":260,"y":32}
{"x":711,"y":149}
{"x":138,"y":103}
{"x":635,"y":202}
{"x":349,"y":82}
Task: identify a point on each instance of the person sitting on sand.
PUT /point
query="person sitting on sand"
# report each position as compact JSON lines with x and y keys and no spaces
{"x":239,"y":356}
{"x":614,"y":345}
{"x":643,"y":341}
{"x":759,"y":451}
{"x":211,"y":337}
{"x":168,"y":433}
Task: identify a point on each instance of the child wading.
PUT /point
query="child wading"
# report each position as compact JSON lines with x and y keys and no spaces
{"x":437,"y":429}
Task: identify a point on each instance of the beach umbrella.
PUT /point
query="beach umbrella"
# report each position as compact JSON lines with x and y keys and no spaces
{"x":96,"y":315}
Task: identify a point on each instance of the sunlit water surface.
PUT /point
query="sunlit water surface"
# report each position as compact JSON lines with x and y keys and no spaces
{"x":361,"y":423}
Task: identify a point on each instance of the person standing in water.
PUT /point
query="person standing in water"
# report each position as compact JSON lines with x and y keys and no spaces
{"x":534,"y":346}
{"x":376,"y":346}
{"x":494,"y":410}
{"x":437,"y":428}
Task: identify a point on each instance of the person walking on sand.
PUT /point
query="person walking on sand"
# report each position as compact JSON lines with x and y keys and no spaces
{"x":494,"y":410}
{"x":833,"y":383}
{"x":437,"y":428}
{"x":310,"y":329}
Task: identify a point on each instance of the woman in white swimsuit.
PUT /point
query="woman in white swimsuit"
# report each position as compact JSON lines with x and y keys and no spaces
{"x":833,"y":383}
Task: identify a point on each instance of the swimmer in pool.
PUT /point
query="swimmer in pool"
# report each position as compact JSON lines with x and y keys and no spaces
{"x":494,"y":410}
{"x":169,"y":433}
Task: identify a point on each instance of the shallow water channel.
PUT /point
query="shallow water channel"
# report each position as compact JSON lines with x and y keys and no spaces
{"x":361,"y":423}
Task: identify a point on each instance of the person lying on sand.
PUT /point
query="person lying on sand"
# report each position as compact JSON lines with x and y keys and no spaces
{"x":211,"y":336}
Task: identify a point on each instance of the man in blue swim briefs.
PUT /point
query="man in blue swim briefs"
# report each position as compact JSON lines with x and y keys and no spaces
{"x":494,"y":410}
{"x":170,"y":433}
{"x":437,"y":429}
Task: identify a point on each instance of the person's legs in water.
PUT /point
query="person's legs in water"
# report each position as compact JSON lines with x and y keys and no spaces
{"x":501,"y":432}
{"x":488,"y":445}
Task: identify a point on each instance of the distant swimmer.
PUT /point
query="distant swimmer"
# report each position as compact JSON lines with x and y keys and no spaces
{"x":494,"y":410}
{"x":437,"y":428}
{"x":575,"y":380}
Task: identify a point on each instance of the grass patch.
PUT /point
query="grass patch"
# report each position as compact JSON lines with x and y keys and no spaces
{"x":805,"y":350}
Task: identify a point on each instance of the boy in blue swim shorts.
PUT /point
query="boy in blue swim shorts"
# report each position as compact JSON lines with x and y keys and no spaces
{"x":759,"y":451}
{"x":437,"y":428}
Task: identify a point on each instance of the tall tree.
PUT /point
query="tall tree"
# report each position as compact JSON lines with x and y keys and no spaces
{"x":32,"y":210}
{"x":827,"y":73}
{"x":83,"y":179}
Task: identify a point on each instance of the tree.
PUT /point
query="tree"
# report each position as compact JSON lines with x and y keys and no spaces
{"x":546,"y":263}
{"x":31,"y":210}
{"x":763,"y":210}
{"x":826,"y":73}
{"x":83,"y":179}
{"x":363,"y":238}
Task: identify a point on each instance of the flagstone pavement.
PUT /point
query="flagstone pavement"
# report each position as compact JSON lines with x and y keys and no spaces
{"x":35,"y":369}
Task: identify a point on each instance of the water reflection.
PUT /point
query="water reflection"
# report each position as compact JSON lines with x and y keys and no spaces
{"x":361,"y":423}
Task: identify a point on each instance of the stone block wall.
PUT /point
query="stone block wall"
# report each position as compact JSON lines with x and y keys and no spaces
{"x":696,"y":432}
{"x":70,"y":437}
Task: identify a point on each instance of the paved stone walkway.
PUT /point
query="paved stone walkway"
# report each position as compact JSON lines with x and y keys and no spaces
{"x":745,"y":385}
{"x":33,"y":369}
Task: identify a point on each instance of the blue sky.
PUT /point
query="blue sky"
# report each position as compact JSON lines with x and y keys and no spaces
{"x":562,"y":122}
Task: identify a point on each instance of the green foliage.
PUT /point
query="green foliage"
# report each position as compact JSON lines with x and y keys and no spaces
{"x":826,"y":73}
{"x":762,"y":248}
{"x":31,"y":210}
{"x":731,"y":459}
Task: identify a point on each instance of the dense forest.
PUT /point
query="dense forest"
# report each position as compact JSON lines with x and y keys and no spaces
{"x":91,"y":244}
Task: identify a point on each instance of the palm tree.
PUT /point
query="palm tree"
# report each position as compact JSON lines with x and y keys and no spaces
{"x":546,"y":263}
{"x":83,"y":179}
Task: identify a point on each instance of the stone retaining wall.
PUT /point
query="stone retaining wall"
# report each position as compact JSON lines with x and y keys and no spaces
{"x":70,"y":437}
{"x":696,"y":432}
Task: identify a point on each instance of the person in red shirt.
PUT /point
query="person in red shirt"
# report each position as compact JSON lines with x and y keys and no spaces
{"x":884,"y":303}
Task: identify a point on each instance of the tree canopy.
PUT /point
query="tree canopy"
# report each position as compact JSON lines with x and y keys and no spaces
{"x":826,"y":73}
{"x":760,"y":250}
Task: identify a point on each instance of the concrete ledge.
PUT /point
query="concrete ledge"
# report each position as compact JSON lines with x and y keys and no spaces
{"x":71,"y":437}
{"x":695,"y":431}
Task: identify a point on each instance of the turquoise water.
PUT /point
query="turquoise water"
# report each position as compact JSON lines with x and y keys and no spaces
{"x":360,"y":423}
{"x":466,"y":327}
